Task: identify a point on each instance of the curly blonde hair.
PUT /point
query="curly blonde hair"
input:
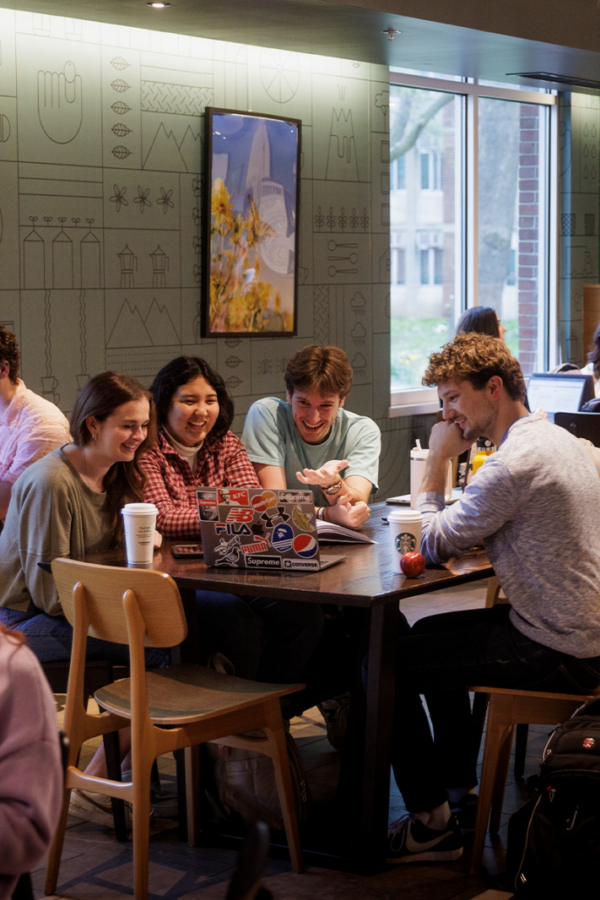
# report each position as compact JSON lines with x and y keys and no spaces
{"x":476,"y":358}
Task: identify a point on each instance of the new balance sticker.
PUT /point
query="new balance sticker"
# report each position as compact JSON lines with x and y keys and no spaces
{"x":263,"y":562}
{"x":232,"y":528}
{"x":240,"y":514}
{"x":258,"y":547}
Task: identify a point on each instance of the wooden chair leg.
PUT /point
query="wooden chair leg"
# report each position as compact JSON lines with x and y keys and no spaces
{"x":113,"y":768}
{"x":495,"y":738}
{"x":480,"y":704}
{"x":500,"y":780}
{"x":521,"y":750}
{"x":141,"y":827}
{"x":192,"y":790}
{"x":276,"y":735}
{"x":181,"y":794}
{"x":55,"y":854}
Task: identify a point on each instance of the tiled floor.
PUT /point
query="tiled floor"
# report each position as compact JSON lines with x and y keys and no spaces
{"x":95,"y":867}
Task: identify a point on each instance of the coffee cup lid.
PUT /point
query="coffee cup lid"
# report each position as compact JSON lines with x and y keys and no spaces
{"x":139,"y":509}
{"x":405,"y":515}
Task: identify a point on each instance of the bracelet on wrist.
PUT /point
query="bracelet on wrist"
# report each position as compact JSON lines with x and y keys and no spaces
{"x":320,"y":513}
{"x":333,"y":489}
{"x":325,"y":514}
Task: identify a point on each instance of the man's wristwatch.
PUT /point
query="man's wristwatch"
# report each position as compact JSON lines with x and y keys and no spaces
{"x":333,"y":489}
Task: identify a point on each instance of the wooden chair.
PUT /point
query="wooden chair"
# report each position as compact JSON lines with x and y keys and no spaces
{"x":507,"y":708}
{"x":172,"y":708}
{"x":480,"y":701}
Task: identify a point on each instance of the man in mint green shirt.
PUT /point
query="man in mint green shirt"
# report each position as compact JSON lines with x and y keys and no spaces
{"x":311,"y":439}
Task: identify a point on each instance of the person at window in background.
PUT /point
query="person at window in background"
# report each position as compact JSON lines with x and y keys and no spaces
{"x":310,"y":439}
{"x":68,"y":505}
{"x":31,"y":775}
{"x":593,"y":365}
{"x":30,"y":426}
{"x":546,"y":638}
{"x":265,"y":639}
{"x":483,"y":320}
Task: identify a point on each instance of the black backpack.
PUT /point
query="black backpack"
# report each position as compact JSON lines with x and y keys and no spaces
{"x":554,"y":840}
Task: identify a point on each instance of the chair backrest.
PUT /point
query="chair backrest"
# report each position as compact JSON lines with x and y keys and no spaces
{"x":104,"y":588}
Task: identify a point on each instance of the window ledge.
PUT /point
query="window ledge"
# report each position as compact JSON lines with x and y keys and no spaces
{"x":414,"y":409}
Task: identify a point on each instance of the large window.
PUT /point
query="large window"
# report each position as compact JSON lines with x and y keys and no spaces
{"x":470,"y":220}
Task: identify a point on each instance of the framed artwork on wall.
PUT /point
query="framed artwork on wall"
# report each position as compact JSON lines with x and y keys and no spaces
{"x":250,"y":224}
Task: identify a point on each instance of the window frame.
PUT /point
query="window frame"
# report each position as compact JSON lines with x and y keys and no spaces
{"x":415,"y":401}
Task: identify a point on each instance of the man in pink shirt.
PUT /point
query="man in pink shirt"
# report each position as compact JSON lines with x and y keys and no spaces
{"x":30,"y":427}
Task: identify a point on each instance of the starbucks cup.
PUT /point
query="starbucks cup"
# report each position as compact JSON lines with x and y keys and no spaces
{"x":405,"y":533}
{"x":139,"y":521}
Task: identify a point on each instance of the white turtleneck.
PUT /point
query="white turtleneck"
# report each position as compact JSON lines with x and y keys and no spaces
{"x":190,"y":454}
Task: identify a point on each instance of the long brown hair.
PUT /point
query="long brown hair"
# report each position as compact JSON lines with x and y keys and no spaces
{"x":15,"y":637}
{"x":100,"y":397}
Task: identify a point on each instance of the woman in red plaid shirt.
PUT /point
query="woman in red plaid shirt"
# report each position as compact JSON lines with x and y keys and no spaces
{"x":266,"y":639}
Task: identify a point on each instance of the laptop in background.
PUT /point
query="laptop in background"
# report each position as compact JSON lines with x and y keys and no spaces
{"x":260,"y":529}
{"x":581,"y":424}
{"x":559,"y":392}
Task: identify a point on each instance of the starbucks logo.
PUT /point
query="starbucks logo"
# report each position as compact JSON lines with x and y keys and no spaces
{"x":405,"y":542}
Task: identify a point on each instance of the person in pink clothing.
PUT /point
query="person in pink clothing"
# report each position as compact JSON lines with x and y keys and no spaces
{"x":30,"y":426}
{"x":30,"y":768}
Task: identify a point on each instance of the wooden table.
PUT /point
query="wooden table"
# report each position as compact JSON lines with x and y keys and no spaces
{"x":365,"y":579}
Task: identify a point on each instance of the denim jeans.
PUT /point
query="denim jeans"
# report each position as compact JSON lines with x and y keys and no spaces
{"x":268,"y":640}
{"x":440,"y":657}
{"x":51,"y":637}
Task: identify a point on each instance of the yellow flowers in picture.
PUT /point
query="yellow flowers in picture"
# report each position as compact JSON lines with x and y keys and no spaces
{"x":239,"y":299}
{"x":250,"y":223}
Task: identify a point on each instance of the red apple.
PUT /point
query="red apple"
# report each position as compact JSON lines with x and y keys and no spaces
{"x":413,"y":564}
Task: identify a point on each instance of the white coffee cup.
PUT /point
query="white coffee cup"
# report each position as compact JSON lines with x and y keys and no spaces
{"x":418,"y":462}
{"x":405,"y":533}
{"x":139,"y":521}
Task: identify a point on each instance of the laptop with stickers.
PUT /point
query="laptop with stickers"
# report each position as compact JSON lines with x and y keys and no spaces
{"x":260,"y":529}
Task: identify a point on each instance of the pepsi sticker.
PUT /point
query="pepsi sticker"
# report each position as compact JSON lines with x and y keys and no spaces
{"x":305,"y":545}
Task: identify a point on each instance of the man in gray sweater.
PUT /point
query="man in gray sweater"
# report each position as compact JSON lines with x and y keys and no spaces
{"x":534,"y":506}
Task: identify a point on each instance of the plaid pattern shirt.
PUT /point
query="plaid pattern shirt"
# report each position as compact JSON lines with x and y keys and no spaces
{"x":171,"y":485}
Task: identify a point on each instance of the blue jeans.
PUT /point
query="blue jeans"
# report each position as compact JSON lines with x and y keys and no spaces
{"x":268,"y":640}
{"x":51,"y":637}
{"x":440,"y":657}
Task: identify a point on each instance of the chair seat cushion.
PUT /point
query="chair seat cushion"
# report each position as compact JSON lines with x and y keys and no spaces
{"x":186,"y":693}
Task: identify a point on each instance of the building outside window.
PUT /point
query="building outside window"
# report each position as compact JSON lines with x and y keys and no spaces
{"x":470,"y":220}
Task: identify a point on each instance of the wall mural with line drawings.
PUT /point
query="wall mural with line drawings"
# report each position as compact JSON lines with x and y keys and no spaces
{"x":101,"y":131}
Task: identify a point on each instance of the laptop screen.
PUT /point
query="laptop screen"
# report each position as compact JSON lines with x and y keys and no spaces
{"x":559,"y":393}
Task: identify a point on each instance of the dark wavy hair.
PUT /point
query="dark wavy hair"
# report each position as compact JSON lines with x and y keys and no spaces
{"x":476,"y":358}
{"x":481,"y":319}
{"x":322,"y":369}
{"x":178,"y":372}
{"x":100,"y":397}
{"x":594,"y":354}
{"x":9,"y":352}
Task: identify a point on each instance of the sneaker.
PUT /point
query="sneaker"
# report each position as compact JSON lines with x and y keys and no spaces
{"x":97,"y":808}
{"x":465,"y":812}
{"x":411,"y":841}
{"x":335,"y":713}
{"x":165,"y":803}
